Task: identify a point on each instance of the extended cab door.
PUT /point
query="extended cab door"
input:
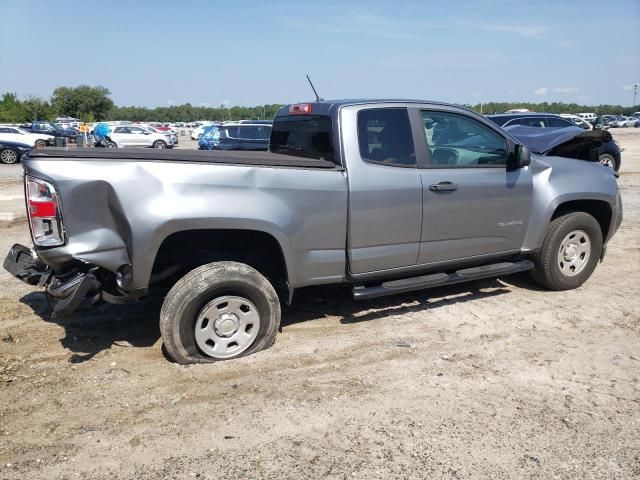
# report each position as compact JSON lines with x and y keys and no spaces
{"x":473,"y":205}
{"x":385,"y":190}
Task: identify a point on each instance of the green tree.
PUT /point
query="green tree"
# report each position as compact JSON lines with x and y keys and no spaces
{"x":81,"y":101}
{"x":36,"y":108}
{"x":11,"y":109}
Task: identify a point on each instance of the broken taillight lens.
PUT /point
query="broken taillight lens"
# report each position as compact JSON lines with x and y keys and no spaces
{"x":43,"y":208}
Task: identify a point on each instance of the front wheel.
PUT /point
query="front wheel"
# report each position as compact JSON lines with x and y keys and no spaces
{"x":607,"y":160}
{"x":159,"y":144}
{"x":9,"y":156}
{"x":40,"y":144}
{"x":569,"y":253}
{"x":219,"y":311}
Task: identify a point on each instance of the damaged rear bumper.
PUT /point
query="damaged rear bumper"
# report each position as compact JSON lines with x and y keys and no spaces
{"x":68,"y":292}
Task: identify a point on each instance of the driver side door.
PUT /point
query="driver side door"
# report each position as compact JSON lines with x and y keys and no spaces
{"x":472,"y":205}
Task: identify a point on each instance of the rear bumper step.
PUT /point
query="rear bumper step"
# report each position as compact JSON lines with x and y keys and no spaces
{"x":361,"y":292}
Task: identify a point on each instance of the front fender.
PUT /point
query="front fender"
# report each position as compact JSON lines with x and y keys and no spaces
{"x":558,"y":180}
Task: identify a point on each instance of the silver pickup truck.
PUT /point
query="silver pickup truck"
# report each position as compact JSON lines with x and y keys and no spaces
{"x":384,"y":196}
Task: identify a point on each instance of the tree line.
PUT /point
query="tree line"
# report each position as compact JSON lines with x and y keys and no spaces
{"x":91,"y":104}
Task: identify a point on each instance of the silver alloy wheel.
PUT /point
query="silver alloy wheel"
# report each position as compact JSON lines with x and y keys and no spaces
{"x":227,"y":326}
{"x":574,"y":253}
{"x":8,"y":156}
{"x":608,"y":161}
{"x":159,"y":144}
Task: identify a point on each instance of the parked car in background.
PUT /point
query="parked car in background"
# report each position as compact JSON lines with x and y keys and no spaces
{"x":579,"y":121}
{"x":619,"y":122}
{"x":589,"y":117}
{"x":197,"y":132}
{"x":571,"y":142}
{"x":19,"y":135}
{"x":170,"y":135}
{"x":69,"y":134}
{"x":257,"y":122}
{"x":10,"y":152}
{"x":541,"y":120}
{"x":241,"y":136}
{"x":134,"y":136}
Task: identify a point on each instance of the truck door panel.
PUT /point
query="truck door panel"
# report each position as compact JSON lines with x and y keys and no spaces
{"x":385,"y":190}
{"x":472,"y":204}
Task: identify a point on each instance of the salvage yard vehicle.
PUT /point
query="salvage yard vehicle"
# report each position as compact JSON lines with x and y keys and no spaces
{"x":134,"y":136}
{"x":571,"y":142}
{"x":240,"y":136}
{"x":540,"y":120}
{"x":19,"y":135}
{"x":11,"y":152}
{"x":383,"y":196}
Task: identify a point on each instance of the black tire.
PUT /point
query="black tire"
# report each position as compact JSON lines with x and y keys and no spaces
{"x":547,"y":271}
{"x":607,"y":160}
{"x":159,"y":144}
{"x":9,"y":156}
{"x":40,"y":144}
{"x":199,"y":287}
{"x":110,"y":144}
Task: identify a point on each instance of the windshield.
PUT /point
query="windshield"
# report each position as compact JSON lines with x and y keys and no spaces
{"x":308,"y":136}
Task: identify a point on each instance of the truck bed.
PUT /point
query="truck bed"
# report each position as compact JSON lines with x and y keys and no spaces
{"x":227,"y":157}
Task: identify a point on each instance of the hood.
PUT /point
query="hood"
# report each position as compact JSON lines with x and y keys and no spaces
{"x":561,"y":141}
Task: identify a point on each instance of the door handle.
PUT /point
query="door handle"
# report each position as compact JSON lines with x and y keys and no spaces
{"x":443,"y":187}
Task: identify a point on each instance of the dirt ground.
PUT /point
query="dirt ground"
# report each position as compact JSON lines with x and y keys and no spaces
{"x":494,"y":379}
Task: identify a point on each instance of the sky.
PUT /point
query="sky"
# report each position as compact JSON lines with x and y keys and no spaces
{"x":212,"y":53}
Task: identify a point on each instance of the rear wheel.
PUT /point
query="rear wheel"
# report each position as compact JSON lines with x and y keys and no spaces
{"x":9,"y":156}
{"x":110,"y":144}
{"x":159,"y":144}
{"x":219,"y":311}
{"x":569,"y":253}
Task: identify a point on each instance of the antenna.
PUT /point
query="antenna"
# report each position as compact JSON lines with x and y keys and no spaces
{"x":318,"y":99}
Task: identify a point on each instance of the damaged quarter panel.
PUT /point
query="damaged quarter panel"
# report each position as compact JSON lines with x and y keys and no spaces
{"x":120,"y":212}
{"x":558,"y":180}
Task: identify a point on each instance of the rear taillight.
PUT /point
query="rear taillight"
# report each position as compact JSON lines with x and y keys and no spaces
{"x":43,"y":208}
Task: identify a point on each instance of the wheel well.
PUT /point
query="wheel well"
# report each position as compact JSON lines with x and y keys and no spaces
{"x":598,"y":209}
{"x":186,"y":250}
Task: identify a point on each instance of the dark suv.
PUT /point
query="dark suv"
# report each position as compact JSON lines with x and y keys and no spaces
{"x":607,"y":150}
{"x":543,"y":120}
{"x":239,"y":136}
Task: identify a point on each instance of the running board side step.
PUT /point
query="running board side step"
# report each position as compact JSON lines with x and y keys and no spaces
{"x":360,"y":292}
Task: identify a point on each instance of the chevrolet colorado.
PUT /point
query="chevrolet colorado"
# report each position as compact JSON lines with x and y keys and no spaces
{"x":385,"y":196}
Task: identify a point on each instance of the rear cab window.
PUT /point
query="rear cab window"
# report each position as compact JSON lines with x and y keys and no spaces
{"x":307,"y":136}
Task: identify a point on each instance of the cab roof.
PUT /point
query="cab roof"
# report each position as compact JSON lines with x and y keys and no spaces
{"x":328,"y":107}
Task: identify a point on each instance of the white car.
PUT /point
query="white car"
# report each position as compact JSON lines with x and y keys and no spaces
{"x":579,"y":121}
{"x":172,"y":137}
{"x":196,"y":133}
{"x":15,"y":134}
{"x":134,"y":136}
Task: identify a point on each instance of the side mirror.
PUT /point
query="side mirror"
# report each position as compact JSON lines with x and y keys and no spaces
{"x":523,"y":156}
{"x":520,"y":158}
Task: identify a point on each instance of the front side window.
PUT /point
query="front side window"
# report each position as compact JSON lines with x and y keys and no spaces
{"x":384,"y":137}
{"x":457,"y":141}
{"x":121,"y":130}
